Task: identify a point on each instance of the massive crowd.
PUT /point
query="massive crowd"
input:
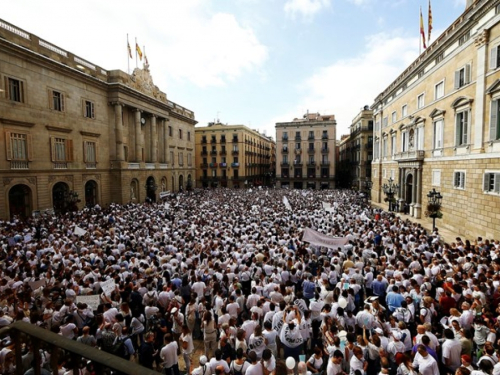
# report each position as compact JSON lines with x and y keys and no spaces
{"x":231,"y":268}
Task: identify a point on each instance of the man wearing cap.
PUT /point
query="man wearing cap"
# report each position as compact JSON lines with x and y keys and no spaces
{"x":177,"y":322}
{"x":203,"y":369}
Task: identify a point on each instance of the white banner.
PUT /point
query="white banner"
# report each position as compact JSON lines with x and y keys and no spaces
{"x":326,"y":205}
{"x":286,"y":203}
{"x":164,"y":194}
{"x":91,"y":301}
{"x":316,"y":238}
{"x":108,"y":286}
{"x":79,"y":231}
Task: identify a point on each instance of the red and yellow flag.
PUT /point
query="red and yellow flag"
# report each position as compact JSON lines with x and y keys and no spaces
{"x":429,"y":26}
{"x":422,"y":32}
{"x":139,"y":52}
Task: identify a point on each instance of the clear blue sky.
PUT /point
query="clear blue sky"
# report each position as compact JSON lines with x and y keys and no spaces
{"x":251,"y":62}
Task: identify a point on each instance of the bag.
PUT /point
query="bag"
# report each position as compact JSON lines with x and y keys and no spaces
{"x":119,"y":349}
{"x":236,"y":372}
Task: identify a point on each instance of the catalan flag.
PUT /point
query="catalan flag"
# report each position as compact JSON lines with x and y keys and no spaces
{"x":139,"y":52}
{"x":429,"y":26}
{"x":422,"y":32}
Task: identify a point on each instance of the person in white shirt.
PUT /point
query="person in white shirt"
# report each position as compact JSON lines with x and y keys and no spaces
{"x":452,"y":349}
{"x":334,"y":366}
{"x":218,"y":361}
{"x":168,"y":355}
{"x":187,"y":347}
{"x":424,"y":362}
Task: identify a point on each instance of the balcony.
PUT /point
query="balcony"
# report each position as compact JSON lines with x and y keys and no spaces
{"x":325,"y":150}
{"x":223,"y":140}
{"x":298,"y":138}
{"x":311,"y":137}
{"x":324,"y":136}
{"x":298,"y":151}
{"x":223,"y":165}
{"x":203,"y":165}
{"x":297,"y":163}
{"x":22,"y":164}
{"x":235,"y":165}
{"x":223,"y":152}
{"x":311,"y":163}
{"x":204,"y":140}
{"x":213,"y":153}
{"x":213,"y":140}
{"x":310,"y":151}
{"x":325,"y":163}
{"x":213,"y":165}
{"x":410,"y":155}
{"x":60,"y":165}
{"x":235,"y":140}
{"x":235,"y":152}
{"x":285,"y":164}
{"x":284,"y":138}
{"x":204,"y":153}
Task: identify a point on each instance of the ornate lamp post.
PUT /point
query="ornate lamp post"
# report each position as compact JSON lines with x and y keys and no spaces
{"x":434,"y":206}
{"x":389,"y":191}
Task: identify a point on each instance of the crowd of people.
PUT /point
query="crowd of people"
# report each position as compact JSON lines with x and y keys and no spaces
{"x":231,"y":268}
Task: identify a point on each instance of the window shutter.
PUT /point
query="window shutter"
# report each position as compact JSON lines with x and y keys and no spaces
{"x":96,"y":155}
{"x":21,"y":91}
{"x":92,"y":109}
{"x":51,"y":100}
{"x":494,"y":120}
{"x":494,"y":57}
{"x":458,"y":132}
{"x":457,"y":79}
{"x":53,"y":149}
{"x":497,"y":183}
{"x":8,"y":146}
{"x":486,"y":182}
{"x":69,"y":149}
{"x":29,"y":141}
{"x":85,"y":152}
{"x":465,"y":130}
{"x":467,"y":73}
{"x":62,"y":102}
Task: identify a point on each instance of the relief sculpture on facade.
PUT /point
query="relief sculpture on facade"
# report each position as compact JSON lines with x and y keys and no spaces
{"x":142,"y":81}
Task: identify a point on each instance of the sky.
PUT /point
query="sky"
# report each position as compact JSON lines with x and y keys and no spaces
{"x":250,"y":62}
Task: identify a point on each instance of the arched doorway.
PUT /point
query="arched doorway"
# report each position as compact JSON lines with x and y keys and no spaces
{"x":20,"y":204}
{"x":181,"y":182}
{"x":151,"y":189}
{"x":59,"y":193}
{"x":134,"y":190}
{"x":90,"y":193}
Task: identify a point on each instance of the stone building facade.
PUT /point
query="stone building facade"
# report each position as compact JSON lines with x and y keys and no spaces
{"x":437,"y":126}
{"x":306,"y":152}
{"x":233,"y":156}
{"x":74,"y":134}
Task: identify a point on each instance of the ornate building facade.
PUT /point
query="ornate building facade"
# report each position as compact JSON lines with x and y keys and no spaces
{"x":437,"y":126}
{"x":233,"y":156}
{"x":306,"y":152}
{"x":74,"y":134}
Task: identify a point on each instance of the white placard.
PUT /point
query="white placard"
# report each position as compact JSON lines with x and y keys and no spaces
{"x":91,"y":301}
{"x":108,"y":286}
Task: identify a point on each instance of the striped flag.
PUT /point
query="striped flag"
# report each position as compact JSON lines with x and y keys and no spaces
{"x":429,"y":26}
{"x":139,"y":52}
{"x":129,"y":49}
{"x":422,"y":32}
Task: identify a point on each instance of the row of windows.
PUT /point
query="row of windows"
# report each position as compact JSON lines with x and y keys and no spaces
{"x":298,"y":146}
{"x":324,"y":135}
{"x":491,"y":181}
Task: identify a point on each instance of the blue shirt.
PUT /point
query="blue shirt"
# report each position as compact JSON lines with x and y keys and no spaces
{"x":379,"y":287}
{"x":393,"y":301}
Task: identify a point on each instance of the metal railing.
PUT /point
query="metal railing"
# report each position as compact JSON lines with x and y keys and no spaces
{"x":38,"y":338}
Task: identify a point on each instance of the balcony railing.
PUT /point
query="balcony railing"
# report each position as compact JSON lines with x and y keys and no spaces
{"x":204,"y":153}
{"x":60,"y":165}
{"x":223,"y":140}
{"x":311,"y":163}
{"x":235,"y":152}
{"x":213,"y":165}
{"x":213,"y":153}
{"x":298,"y":151}
{"x":29,"y":335}
{"x":223,"y":152}
{"x":213,"y":140}
{"x":310,"y":137}
{"x":324,"y":150}
{"x":324,"y":136}
{"x":284,"y":138}
{"x":235,"y":165}
{"x":285,"y":164}
{"x":204,"y":165}
{"x":325,"y":163}
{"x":19,"y":164}
{"x":223,"y":165}
{"x":284,"y":150}
{"x":410,"y":155}
{"x":203,"y":140}
{"x":88,"y":165}
{"x":297,"y":163}
{"x":311,"y":150}
{"x":298,"y":138}
{"x":235,"y":140}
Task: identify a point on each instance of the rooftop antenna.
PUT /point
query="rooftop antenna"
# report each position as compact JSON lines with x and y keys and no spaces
{"x":218,"y":121}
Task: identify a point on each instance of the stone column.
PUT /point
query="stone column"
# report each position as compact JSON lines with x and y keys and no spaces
{"x":418,"y":188}
{"x":402,"y":189}
{"x":413,"y":191}
{"x":154,"y":140}
{"x":120,"y":154}
{"x":482,"y":50}
{"x":138,"y":136}
{"x":165,"y":142}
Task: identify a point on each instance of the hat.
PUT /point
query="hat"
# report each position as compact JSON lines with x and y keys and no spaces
{"x":379,"y":331}
{"x":174,"y":310}
{"x":203,"y":360}
{"x":397,"y":335}
{"x":466,"y":358}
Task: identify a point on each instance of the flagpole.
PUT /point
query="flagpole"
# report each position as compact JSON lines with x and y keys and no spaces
{"x":128,"y":56}
{"x":145,"y":58}
{"x":136,"y":52}
{"x":420,"y":32}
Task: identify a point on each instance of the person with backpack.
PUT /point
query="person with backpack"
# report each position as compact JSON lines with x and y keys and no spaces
{"x":239,"y":365}
{"x":203,"y":369}
{"x":122,"y":346}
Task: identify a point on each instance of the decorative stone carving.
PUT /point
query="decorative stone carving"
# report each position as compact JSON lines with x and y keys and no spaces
{"x":7,"y":181}
{"x":142,"y":81}
{"x":32,"y":180}
{"x":482,"y":38}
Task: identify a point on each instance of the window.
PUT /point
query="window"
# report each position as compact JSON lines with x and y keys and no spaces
{"x":180,"y":133}
{"x":311,"y":134}
{"x":384,"y":147}
{"x":495,"y":120}
{"x":189,"y":161}
{"x":297,"y":135}
{"x":439,"y":58}
{"x":325,"y":135}
{"x":439,"y":90}
{"x":404,"y":111}
{"x":420,"y":101}
{"x":285,"y":159}
{"x":377,"y":126}
{"x":285,"y":136}
{"x":459,"y":180}
{"x":297,"y":146}
{"x":464,"y":38}
{"x":376,"y":150}
{"x":492,"y":182}
{"x":170,"y":131}
{"x":19,"y":149}
{"x":172,"y":158}
{"x":393,"y":144}
{"x":181,"y":159}
{"x":462,"y":128}
{"x":15,"y":90}
{"x":90,"y":154}
{"x":189,"y":136}
{"x":56,"y":100}
{"x":393,"y":116}
{"x":311,"y":146}
{"x":438,"y":134}
{"x":462,"y":76}
{"x":88,"y":109}
{"x":385,"y":122}
{"x":494,"y":57}
{"x":404,"y":141}
{"x":436,"y":178}
{"x":419,"y":138}
{"x":61,"y":150}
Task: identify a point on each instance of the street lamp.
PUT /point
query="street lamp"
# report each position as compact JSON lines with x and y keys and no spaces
{"x":389,"y":191}
{"x":434,"y":206}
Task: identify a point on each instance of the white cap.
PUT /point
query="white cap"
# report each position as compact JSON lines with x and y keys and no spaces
{"x":379,"y":331}
{"x":203,"y":360}
{"x":397,"y":335}
{"x":173,"y":311}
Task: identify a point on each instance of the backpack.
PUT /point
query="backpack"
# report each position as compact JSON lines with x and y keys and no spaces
{"x":236,"y":372}
{"x":119,"y":349}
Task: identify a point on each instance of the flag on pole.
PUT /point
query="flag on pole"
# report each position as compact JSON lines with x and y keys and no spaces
{"x":429,"y":26}
{"x":129,"y":49}
{"x":422,"y":32}
{"x":145,"y":57}
{"x":139,"y":52}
